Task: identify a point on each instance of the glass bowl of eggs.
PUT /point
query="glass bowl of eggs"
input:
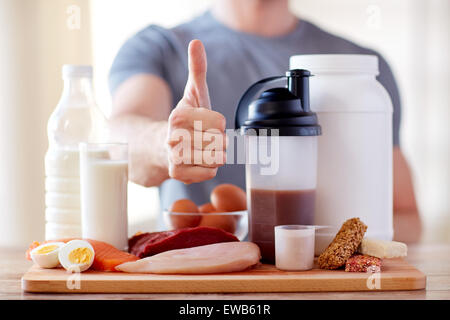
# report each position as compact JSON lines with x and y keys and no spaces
{"x":227,"y":210}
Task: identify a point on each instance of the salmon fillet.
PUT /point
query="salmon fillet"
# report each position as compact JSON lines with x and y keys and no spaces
{"x":213,"y":258}
{"x":107,"y":257}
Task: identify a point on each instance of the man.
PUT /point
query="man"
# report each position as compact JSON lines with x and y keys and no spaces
{"x":157,"y":91}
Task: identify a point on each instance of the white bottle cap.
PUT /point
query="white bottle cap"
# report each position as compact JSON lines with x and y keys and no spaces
{"x":76,"y":71}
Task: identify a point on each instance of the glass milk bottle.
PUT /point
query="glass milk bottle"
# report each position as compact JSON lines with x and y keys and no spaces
{"x":281,"y":148}
{"x":76,"y":119}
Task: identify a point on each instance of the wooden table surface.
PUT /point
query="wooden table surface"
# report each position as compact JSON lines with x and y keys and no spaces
{"x":433,"y":260}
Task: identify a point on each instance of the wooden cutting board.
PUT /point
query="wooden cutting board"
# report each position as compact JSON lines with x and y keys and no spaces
{"x":396,"y":274}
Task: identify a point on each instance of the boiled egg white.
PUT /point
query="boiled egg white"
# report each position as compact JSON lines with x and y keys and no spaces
{"x":46,"y":255}
{"x":76,"y":255}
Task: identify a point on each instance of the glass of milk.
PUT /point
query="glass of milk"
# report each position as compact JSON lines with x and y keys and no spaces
{"x":103,"y":180}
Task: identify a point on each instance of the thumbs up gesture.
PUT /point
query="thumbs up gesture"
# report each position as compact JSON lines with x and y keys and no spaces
{"x":196,"y":138}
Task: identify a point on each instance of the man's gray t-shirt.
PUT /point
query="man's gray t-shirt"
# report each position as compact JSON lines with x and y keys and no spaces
{"x":235,"y":61}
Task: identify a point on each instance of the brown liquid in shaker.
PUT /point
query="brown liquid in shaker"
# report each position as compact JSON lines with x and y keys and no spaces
{"x":269,"y":208}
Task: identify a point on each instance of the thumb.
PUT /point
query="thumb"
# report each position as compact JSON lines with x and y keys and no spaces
{"x":196,"y":90}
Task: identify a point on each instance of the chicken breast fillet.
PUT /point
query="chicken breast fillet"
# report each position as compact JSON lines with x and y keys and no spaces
{"x":212,"y":258}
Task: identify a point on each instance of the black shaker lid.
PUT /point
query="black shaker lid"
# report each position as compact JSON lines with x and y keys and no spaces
{"x":286,"y":109}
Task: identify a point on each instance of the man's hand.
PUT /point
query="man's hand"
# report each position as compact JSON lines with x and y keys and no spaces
{"x":196,"y":140}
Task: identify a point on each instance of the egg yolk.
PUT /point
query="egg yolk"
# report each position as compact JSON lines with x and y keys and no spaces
{"x":46,"y":249}
{"x":80,"y":255}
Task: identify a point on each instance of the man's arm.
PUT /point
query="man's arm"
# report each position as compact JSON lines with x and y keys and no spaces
{"x":407,"y":224}
{"x":164,"y":142}
{"x":141,"y":107}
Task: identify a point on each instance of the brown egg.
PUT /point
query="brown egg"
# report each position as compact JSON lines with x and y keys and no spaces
{"x":206,"y":208}
{"x":224,"y":222}
{"x":228,"y":198}
{"x":184,"y":221}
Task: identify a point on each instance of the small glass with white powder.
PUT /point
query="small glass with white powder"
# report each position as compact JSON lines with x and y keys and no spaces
{"x":294,"y":247}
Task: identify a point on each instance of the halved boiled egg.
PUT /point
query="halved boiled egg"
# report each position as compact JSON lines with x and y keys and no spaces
{"x":76,"y":255}
{"x":46,"y":255}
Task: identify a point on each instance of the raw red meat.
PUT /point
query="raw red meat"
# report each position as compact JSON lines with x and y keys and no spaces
{"x":147,"y":244}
